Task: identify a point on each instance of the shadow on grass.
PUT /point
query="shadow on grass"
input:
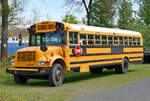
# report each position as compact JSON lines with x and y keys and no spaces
{"x":77,"y":77}
{"x":68,"y":78}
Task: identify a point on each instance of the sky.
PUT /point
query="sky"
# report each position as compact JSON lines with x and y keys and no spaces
{"x":53,"y":10}
{"x":48,"y":10}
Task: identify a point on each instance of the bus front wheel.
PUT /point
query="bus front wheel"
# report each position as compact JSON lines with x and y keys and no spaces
{"x":56,"y":75}
{"x":123,"y":68}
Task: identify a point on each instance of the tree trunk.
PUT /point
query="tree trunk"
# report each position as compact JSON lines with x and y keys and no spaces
{"x":88,"y":18}
{"x":4,"y":35}
{"x":88,"y":10}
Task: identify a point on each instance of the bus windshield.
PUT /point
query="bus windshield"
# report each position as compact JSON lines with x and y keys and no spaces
{"x":49,"y":38}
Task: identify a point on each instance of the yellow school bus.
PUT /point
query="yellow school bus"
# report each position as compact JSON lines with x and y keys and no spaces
{"x":56,"y":48}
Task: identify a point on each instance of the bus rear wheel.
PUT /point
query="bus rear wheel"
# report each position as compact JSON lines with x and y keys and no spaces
{"x":96,"y":70}
{"x":19,"y":79}
{"x":56,"y":75}
{"x":123,"y":68}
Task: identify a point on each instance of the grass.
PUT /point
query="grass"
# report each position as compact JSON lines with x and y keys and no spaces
{"x":75,"y":84}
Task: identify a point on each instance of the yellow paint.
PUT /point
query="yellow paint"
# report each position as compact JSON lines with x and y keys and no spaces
{"x":83,"y":68}
{"x":45,"y":27}
{"x":133,"y":49}
{"x":63,"y":52}
{"x":20,"y":69}
{"x":98,"y":50}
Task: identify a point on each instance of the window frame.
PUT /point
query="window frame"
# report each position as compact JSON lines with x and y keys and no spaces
{"x":83,"y":39}
{"x":75,"y":42}
{"x":131,"y":41}
{"x":106,"y":41}
{"x":139,"y":41}
{"x":92,"y":40}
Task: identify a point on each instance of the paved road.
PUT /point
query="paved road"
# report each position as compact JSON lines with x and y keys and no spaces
{"x":135,"y":91}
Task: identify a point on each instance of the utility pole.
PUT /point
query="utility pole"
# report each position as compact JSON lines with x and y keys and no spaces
{"x":4,"y":35}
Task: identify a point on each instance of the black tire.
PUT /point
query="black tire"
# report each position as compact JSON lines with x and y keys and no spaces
{"x":123,"y":68}
{"x":56,"y":75}
{"x":96,"y":70}
{"x":20,"y":79}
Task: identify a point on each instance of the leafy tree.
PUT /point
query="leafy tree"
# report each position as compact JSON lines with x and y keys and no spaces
{"x":70,"y":19}
{"x":144,"y":11}
{"x":102,"y":13}
{"x":125,"y":14}
{"x":9,"y":9}
{"x":78,"y":4}
{"x":4,"y":46}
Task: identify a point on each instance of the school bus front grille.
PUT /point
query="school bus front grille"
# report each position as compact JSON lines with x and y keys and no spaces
{"x":26,"y":56}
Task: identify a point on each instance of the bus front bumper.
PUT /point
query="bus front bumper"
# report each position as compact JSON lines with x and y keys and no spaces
{"x":29,"y":71}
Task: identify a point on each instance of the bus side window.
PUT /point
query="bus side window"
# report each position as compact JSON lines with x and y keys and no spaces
{"x":120,"y":40}
{"x":138,"y":41}
{"x":115,"y":40}
{"x":83,"y":39}
{"x":104,"y":40}
{"x":125,"y":41}
{"x":90,"y":39}
{"x":110,"y":40}
{"x":134,"y":41}
{"x":130,"y":41}
{"x":97,"y":39}
{"x":73,"y":37}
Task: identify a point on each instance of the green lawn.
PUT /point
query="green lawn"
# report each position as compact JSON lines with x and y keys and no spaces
{"x":75,"y":84}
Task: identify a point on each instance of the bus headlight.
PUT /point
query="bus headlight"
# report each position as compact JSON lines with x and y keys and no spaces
{"x":12,"y":63}
{"x":41,"y":63}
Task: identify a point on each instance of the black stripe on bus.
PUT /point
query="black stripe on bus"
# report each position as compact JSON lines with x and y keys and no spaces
{"x":104,"y":65}
{"x":100,"y":46}
{"x":136,"y":57}
{"x":75,"y":68}
{"x":79,"y":62}
{"x":91,"y":54}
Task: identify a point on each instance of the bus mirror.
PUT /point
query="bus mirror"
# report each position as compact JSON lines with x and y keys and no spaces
{"x":43,"y":48}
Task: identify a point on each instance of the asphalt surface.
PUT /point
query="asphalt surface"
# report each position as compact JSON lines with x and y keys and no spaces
{"x":135,"y":91}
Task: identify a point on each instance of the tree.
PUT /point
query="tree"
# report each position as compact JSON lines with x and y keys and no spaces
{"x":9,"y":11}
{"x":70,"y":19}
{"x":4,"y":44}
{"x":79,"y":3}
{"x":125,"y":14}
{"x":102,"y":13}
{"x":144,"y":11}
